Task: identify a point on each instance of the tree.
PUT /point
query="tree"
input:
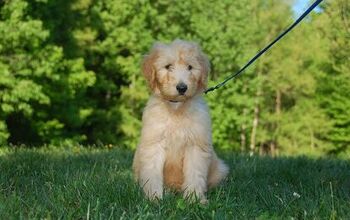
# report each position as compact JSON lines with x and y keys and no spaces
{"x":70,"y":70}
{"x":41,"y":91}
{"x":334,"y":26}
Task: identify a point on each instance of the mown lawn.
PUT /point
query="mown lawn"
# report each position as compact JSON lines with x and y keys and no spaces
{"x":90,"y":183}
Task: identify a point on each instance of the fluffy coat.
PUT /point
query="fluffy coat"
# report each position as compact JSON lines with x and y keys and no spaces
{"x":175,"y":148}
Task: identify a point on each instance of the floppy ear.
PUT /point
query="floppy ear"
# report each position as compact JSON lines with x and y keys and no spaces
{"x":205,"y":69}
{"x":148,"y":68}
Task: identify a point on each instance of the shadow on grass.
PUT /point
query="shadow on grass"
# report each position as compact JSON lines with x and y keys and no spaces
{"x":97,"y":183}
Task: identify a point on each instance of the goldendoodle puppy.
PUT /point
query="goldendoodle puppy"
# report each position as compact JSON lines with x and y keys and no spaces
{"x":175,"y":148}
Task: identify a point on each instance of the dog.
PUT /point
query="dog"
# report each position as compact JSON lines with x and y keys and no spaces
{"x":175,"y":148}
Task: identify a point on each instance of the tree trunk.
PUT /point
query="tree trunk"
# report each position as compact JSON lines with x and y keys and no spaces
{"x":273,"y":144}
{"x":258,"y":94}
{"x":243,"y":137}
{"x":312,"y":141}
{"x":243,"y":132}
{"x":278,"y":103}
{"x":243,"y":124}
{"x":273,"y":148}
{"x":255,"y":122}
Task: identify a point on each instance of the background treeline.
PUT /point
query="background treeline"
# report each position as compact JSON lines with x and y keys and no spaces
{"x":69,"y":71}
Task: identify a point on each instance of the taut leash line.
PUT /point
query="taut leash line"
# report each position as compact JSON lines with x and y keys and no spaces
{"x":261,"y":52}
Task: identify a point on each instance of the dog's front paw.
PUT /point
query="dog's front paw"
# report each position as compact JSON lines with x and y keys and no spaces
{"x":204,"y":201}
{"x":153,"y":191}
{"x":195,"y":196}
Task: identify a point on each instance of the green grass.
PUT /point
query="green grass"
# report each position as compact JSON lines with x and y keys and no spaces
{"x":79,"y":182}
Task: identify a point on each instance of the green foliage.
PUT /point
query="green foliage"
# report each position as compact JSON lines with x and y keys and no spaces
{"x":69,"y":70}
{"x":335,"y":83}
{"x":41,"y":90}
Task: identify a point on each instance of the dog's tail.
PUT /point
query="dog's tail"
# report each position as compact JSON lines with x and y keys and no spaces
{"x":217,"y":172}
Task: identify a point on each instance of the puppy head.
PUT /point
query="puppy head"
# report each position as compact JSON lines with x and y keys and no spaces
{"x":176,"y":71}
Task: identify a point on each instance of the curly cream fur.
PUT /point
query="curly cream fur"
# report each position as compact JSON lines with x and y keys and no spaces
{"x":175,"y":148}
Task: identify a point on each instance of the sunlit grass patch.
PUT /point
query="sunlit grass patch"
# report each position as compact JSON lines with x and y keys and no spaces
{"x":89,"y":182}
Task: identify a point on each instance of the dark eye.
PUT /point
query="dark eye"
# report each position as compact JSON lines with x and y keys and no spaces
{"x":168,"y":66}
{"x":189,"y":67}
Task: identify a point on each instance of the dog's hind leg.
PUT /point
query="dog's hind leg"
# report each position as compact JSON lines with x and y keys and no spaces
{"x":218,"y":170}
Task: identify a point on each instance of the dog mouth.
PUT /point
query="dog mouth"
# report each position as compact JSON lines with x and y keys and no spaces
{"x":176,"y":99}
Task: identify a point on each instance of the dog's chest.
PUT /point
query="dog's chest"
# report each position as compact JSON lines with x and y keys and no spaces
{"x":177,"y":134}
{"x":176,"y":129}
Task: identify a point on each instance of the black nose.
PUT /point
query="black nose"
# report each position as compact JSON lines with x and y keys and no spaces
{"x":181,"y":88}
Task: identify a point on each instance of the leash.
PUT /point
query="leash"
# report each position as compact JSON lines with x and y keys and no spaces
{"x":261,"y":52}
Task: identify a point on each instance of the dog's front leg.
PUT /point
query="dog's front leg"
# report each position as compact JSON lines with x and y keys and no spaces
{"x":196,"y":165}
{"x":151,"y":171}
